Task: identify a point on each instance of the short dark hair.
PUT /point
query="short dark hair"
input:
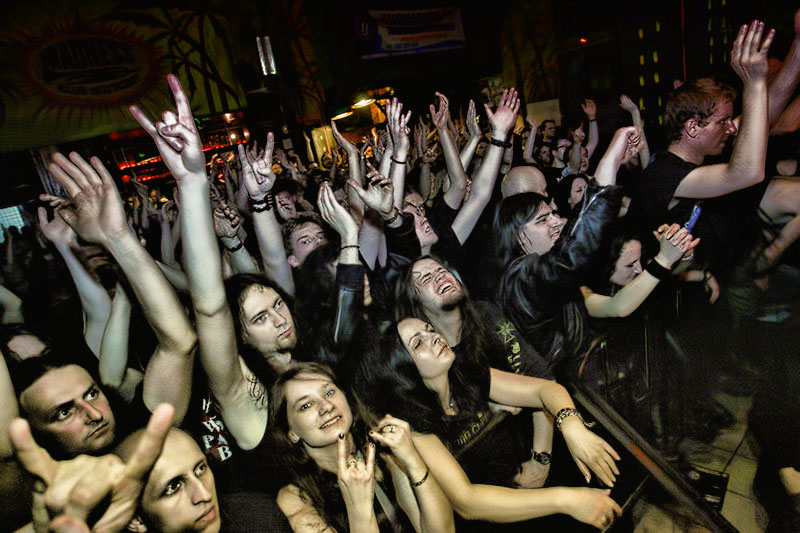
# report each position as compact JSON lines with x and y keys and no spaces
{"x":695,"y":99}
{"x":294,"y":223}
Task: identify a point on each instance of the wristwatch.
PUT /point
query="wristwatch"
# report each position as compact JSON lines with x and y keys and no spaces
{"x":543,"y":458}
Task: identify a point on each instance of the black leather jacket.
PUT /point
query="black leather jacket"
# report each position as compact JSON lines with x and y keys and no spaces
{"x":541,"y":293}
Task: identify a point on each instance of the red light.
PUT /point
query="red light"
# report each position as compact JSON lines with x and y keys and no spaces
{"x":583,"y":40}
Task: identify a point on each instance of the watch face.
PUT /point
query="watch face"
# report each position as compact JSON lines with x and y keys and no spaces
{"x":542,"y":458}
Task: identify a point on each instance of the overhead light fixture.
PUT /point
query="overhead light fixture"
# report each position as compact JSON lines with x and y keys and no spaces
{"x":342,"y":115}
{"x":363,"y":102}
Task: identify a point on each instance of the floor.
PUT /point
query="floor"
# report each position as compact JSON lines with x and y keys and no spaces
{"x":734,"y":452}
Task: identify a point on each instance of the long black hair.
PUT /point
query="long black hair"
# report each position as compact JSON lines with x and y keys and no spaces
{"x":407,"y":304}
{"x":389,"y":382}
{"x":236,"y":289}
{"x":512,"y":213}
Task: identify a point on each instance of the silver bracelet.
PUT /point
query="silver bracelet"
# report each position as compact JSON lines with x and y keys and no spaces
{"x":566,"y":413}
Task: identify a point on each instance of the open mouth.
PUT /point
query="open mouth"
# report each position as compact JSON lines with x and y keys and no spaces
{"x":445,"y":287}
{"x":332,"y":422}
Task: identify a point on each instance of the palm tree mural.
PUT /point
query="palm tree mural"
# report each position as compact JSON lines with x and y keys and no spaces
{"x":184,"y":32}
{"x":529,"y":50}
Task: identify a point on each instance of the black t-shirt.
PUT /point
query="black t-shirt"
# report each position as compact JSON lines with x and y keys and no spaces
{"x":726,"y":225}
{"x":656,"y":190}
{"x":508,"y":349}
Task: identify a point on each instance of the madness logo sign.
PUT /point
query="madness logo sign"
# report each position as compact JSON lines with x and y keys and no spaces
{"x":95,"y":69}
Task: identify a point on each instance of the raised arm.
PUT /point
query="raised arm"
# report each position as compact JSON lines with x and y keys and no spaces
{"x":474,"y":136}
{"x":258,"y":179}
{"x":94,"y":299}
{"x":398,"y":131}
{"x":113,"y":364}
{"x":636,"y":117}
{"x":354,"y":169}
{"x":785,"y":82}
{"x":502,"y":121}
{"x":746,"y":166}
{"x":167,"y":239}
{"x":96,"y":215}
{"x":625,"y":144}
{"x":458,"y":178}
{"x":527,"y":153}
{"x":593,"y":135}
{"x":227,"y":225}
{"x":181,"y":149}
{"x":674,"y":243}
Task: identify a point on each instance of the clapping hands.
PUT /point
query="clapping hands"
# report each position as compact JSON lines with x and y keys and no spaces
{"x":504,"y":117}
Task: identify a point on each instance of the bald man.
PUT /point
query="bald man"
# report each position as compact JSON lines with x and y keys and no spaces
{"x":523,"y":179}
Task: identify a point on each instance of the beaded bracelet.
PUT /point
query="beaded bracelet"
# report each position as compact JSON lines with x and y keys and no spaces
{"x":565,"y":413}
{"x":501,"y":144}
{"x":416,"y":484}
{"x":390,"y":221}
{"x":235,"y":247}
{"x":265,"y":204}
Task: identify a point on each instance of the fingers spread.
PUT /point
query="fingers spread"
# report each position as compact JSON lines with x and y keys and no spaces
{"x":143,"y":120}
{"x":181,"y":100}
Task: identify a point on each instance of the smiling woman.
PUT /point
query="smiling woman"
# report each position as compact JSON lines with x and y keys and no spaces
{"x":335,"y":479}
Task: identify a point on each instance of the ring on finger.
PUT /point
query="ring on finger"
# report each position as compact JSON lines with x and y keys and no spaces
{"x":352,"y":463}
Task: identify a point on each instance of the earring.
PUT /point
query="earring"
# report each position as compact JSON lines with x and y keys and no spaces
{"x":294,"y":438}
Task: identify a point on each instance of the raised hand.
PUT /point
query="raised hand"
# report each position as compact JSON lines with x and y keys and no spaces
{"x":226,"y":221}
{"x":95,"y":212}
{"x":280,"y":155}
{"x":674,"y":243}
{"x":57,"y":230}
{"x":442,"y":116}
{"x":431,"y":153}
{"x":590,"y":452}
{"x":398,"y":127}
{"x":472,"y":120}
{"x":72,"y":489}
{"x":176,"y":136}
{"x":348,"y":147}
{"x":589,"y":108}
{"x":356,"y":479}
{"x":627,"y":104}
{"x":749,"y":54}
{"x":335,"y":215}
{"x":395,"y":434}
{"x":167,"y":213}
{"x":257,"y":173}
{"x":625,"y":144}
{"x":503,"y":118}
{"x":379,"y":192}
